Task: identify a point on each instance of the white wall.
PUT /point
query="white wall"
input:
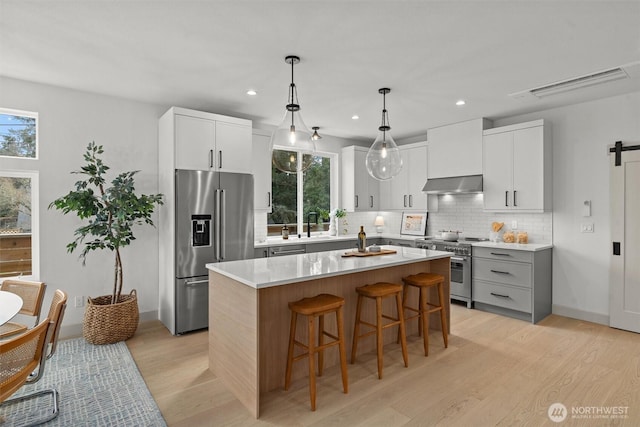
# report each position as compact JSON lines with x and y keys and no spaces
{"x":581,"y":134}
{"x":128,"y":130}
{"x":68,"y":121}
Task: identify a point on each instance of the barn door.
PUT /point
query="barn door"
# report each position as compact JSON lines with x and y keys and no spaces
{"x":624,"y":276}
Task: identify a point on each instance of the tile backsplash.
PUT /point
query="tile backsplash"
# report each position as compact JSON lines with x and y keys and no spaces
{"x":464,"y":213}
{"x":461,"y":212}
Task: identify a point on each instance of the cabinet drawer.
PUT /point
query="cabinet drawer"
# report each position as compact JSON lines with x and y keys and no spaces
{"x":503,"y":254}
{"x":502,"y":296}
{"x":509,"y":273}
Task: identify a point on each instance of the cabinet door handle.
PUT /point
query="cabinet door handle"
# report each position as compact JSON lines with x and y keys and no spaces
{"x":506,"y":198}
{"x":370,"y":201}
{"x":220,"y":159}
{"x":499,"y":254}
{"x":500,"y":272}
{"x":405,"y":200}
{"x":410,"y":200}
{"x":269,"y":198}
{"x":357,"y":201}
{"x":514,"y":198}
{"x":499,"y":295}
{"x":210,"y":158}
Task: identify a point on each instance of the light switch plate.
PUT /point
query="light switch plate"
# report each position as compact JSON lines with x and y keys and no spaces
{"x":514,"y":225}
{"x":586,"y":228}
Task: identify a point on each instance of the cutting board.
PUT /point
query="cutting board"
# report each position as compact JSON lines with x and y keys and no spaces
{"x":382,"y":252}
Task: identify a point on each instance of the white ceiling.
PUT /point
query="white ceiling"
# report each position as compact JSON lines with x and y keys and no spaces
{"x":206,"y":54}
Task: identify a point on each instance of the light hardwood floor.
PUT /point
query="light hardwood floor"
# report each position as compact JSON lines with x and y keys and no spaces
{"x":496,"y":371}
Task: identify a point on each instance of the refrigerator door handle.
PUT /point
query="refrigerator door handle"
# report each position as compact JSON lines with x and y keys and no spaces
{"x":223,"y":221}
{"x":196,"y":283}
{"x":217,"y":226}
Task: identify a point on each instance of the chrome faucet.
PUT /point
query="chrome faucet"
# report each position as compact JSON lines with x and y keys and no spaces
{"x":309,"y":215}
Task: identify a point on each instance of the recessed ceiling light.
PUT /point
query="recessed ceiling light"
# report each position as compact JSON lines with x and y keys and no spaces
{"x":252,"y":92}
{"x":355,"y":117}
{"x":460,"y":102}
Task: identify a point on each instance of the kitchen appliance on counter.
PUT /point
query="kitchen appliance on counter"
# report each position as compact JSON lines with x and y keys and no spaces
{"x":460,"y":263}
{"x":213,"y":223}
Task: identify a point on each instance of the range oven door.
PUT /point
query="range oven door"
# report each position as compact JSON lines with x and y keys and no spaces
{"x":461,"y":279}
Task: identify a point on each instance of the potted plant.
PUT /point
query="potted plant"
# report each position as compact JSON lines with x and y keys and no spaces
{"x":111,"y":212}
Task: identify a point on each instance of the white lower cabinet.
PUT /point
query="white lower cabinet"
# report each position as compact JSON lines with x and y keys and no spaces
{"x":512,"y":282}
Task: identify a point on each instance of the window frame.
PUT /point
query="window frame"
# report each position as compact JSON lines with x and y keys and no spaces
{"x":25,"y":167}
{"x":31,"y":114}
{"x":333,"y":185}
{"x":35,"y":219}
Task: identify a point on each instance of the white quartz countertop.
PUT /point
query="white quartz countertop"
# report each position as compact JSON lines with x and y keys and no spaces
{"x":267,"y":272}
{"x":531,"y":247}
{"x":323,"y":238}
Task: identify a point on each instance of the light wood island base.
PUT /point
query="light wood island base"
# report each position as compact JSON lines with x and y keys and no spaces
{"x":248,"y":327}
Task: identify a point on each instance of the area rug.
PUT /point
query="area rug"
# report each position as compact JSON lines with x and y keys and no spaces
{"x":99,"y":385}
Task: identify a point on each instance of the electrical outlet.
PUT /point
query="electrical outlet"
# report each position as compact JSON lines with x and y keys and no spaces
{"x":586,"y":228}
{"x":514,"y":225}
{"x":79,"y":302}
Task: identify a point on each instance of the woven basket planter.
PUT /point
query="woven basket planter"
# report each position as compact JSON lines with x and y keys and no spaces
{"x":106,"y":323}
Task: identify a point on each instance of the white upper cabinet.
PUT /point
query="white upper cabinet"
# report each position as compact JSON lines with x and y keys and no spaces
{"x":360,"y":191}
{"x":456,"y":150}
{"x":205,"y":141}
{"x":517,"y":171}
{"x":261,"y":156}
{"x":404,"y":191}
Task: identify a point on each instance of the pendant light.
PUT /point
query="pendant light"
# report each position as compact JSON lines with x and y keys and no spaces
{"x":292,"y":139}
{"x":315,"y":135}
{"x":383,"y":158}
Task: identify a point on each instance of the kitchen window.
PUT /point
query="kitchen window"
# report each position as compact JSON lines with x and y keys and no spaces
{"x":19,"y":245}
{"x":295,"y":196}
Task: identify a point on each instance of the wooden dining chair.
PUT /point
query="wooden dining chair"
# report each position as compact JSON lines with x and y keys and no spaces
{"x":19,"y":356}
{"x":32,"y":294}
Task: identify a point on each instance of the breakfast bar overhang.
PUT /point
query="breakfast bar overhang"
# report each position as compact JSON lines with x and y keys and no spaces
{"x":249,"y":315}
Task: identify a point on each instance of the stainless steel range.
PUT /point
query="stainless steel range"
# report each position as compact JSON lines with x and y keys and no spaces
{"x":460,"y":264}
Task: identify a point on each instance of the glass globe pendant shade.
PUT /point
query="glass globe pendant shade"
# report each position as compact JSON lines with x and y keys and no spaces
{"x":292,"y":139}
{"x":384,"y":160}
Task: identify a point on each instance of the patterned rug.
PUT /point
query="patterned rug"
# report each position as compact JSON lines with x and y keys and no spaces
{"x":99,"y":385}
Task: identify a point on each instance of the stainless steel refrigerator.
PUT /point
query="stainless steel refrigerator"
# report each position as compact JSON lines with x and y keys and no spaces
{"x":214,"y":223}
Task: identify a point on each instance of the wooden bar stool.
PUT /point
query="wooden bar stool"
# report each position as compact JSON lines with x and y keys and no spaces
{"x":378,"y":291}
{"x":314,"y":307}
{"x":424,"y":281}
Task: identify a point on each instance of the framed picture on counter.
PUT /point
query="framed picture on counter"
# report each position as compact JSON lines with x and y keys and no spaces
{"x":414,"y":223}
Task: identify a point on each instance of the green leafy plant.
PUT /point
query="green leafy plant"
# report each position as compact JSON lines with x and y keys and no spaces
{"x":111,"y":211}
{"x":340,"y":213}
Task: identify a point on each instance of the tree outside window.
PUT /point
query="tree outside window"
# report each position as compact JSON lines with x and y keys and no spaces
{"x":312,"y":187}
{"x":18,"y":139}
{"x":17,"y":136}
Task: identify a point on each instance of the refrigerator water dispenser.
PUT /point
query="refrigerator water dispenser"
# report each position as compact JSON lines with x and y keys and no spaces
{"x":200,"y":230}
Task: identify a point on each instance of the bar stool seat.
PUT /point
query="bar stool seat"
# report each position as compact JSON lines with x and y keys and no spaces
{"x":424,"y":281}
{"x":313,"y":307}
{"x":379,"y":291}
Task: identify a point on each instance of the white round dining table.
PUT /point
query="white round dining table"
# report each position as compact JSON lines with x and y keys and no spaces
{"x":10,"y":305}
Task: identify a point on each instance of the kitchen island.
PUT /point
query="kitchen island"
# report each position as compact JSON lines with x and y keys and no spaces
{"x":249,"y":315}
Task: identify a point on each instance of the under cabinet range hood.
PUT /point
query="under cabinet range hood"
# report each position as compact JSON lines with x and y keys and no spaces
{"x":454,"y":185}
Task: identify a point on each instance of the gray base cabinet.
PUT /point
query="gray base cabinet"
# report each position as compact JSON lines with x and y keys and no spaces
{"x":293,"y":249}
{"x":512,"y":282}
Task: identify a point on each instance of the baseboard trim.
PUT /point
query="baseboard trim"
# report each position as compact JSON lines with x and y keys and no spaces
{"x":575,"y":313}
{"x":74,"y":330}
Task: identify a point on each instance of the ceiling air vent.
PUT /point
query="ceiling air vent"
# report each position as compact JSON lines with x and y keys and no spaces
{"x":617,"y":73}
